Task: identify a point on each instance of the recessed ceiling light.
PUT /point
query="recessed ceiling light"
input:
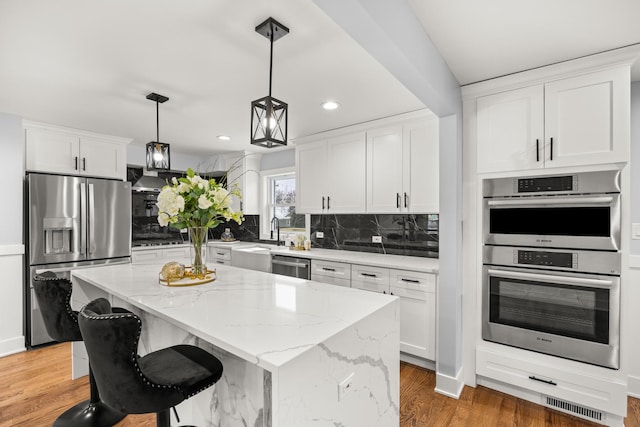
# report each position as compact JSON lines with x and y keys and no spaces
{"x":330,"y":105}
{"x":224,"y":137}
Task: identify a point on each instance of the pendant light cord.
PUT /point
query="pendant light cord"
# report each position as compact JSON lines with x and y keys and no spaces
{"x":270,"y":58}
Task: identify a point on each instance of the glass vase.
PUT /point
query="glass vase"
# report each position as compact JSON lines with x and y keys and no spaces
{"x":198,"y":248}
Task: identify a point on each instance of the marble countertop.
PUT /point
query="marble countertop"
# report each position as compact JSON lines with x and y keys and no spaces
{"x":263,"y":318}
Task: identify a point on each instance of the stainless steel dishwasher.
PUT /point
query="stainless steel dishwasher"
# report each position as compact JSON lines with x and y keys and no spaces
{"x":291,"y":266}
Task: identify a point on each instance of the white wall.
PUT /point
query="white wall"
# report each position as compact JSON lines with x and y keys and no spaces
{"x":278,"y":159}
{"x":136,"y":155}
{"x":11,"y":246}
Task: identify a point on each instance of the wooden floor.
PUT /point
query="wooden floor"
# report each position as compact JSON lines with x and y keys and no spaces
{"x":35,"y":387}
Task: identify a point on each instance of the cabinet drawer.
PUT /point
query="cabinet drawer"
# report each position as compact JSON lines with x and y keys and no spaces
{"x":592,"y":391}
{"x":370,"y":278}
{"x":412,"y":281}
{"x":223,"y":254}
{"x":146,"y":257}
{"x":332,"y":269}
{"x":331,"y":280}
{"x":176,"y":254}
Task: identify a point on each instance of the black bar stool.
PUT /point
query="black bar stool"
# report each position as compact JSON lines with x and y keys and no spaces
{"x":132,"y":384}
{"x":61,"y":322}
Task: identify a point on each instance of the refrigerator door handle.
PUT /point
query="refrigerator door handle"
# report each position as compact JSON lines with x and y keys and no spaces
{"x":83,"y":220}
{"x":92,"y":225}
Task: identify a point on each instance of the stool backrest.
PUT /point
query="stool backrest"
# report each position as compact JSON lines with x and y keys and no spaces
{"x":111,"y":339}
{"x":54,"y":298}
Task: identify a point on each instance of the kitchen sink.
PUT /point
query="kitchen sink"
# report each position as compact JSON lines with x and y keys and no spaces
{"x":253,"y":257}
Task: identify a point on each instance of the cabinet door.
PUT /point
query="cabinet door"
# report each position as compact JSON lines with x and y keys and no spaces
{"x":511,"y":130}
{"x":311,"y":177}
{"x":151,"y":256}
{"x":588,"y":119}
{"x":50,"y":151}
{"x":420,"y":189}
{"x":346,"y":174}
{"x":384,"y":170}
{"x":102,"y":158}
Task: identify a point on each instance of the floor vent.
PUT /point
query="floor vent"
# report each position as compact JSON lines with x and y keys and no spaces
{"x":572,"y":408}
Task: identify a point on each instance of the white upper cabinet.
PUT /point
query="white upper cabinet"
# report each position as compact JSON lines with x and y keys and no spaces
{"x":384,"y":170}
{"x":244,"y":171}
{"x":576,"y":121}
{"x":511,"y":130}
{"x":346,"y":173}
{"x":330,"y":175}
{"x":311,"y":173}
{"x":421,"y":166}
{"x":65,"y":151}
{"x":403,"y":168}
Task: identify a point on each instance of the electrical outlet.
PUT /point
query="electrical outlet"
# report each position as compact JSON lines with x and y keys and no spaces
{"x":319,"y":234}
{"x":376,"y":239}
{"x":344,"y":386}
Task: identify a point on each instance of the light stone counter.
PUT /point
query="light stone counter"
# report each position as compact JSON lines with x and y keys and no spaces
{"x":286,"y":344}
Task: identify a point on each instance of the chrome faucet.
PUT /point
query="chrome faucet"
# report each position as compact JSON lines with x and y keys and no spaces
{"x":275,"y":224}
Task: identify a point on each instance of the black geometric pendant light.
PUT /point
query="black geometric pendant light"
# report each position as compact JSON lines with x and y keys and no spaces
{"x":158,"y":157}
{"x":268,"y":114}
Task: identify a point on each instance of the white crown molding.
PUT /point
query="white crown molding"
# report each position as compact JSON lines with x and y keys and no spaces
{"x":588,"y":64}
{"x":28,"y":124}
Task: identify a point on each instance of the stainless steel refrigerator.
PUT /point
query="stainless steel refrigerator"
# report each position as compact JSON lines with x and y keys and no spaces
{"x":71,"y":222}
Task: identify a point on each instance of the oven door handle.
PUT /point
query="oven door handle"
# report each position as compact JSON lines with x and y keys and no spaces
{"x":601,"y":200}
{"x":591,"y":283}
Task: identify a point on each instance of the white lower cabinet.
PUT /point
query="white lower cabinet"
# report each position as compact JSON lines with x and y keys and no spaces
{"x":585,"y":391}
{"x":417,"y":292}
{"x":219,"y":255}
{"x":334,"y":273}
{"x":156,"y":255}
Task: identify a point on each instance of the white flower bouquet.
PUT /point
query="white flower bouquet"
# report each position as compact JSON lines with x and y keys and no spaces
{"x":196,"y":202}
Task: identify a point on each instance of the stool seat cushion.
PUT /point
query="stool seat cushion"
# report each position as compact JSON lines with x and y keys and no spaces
{"x":198,"y":369}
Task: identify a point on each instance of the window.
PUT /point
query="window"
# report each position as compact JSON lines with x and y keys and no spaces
{"x":280,"y":203}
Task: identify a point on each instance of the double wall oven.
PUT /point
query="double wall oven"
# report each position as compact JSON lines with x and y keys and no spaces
{"x":551,"y":265}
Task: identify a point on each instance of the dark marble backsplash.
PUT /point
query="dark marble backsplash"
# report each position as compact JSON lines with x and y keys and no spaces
{"x":248,"y":231}
{"x":413,"y":235}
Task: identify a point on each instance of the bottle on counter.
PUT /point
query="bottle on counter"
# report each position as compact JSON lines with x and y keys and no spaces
{"x":227,"y":235}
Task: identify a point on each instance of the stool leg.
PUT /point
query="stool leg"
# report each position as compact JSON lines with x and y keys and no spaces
{"x":163,"y":419}
{"x":90,"y":413}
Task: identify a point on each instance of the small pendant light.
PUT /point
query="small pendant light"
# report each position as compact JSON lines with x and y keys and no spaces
{"x":157,"y":152}
{"x":268,"y":114}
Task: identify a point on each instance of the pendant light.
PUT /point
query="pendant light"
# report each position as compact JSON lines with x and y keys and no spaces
{"x":268,"y":114}
{"x":158,"y":152}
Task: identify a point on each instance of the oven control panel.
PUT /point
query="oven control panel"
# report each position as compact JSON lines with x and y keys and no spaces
{"x":546,"y":184}
{"x":548,"y":259}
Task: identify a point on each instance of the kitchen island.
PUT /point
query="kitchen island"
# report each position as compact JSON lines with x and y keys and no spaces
{"x":295,"y":352}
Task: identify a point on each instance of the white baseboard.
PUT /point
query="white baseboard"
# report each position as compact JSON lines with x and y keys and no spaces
{"x":449,"y":386}
{"x":633,"y":386}
{"x":418,"y":361}
{"x":12,"y":346}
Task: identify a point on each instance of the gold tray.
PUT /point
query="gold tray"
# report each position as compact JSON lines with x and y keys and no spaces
{"x":190,"y":279}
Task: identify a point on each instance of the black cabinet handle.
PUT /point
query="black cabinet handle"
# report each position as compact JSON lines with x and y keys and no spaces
{"x":405,"y":200}
{"x":218,"y":253}
{"x":384,"y":292}
{"x":542,"y":381}
{"x":551,"y":153}
{"x":368,"y":275}
{"x":328,"y":269}
{"x":398,"y":200}
{"x":537,"y":150}
{"x":328,"y":202}
{"x":84,"y":163}
{"x":240,"y":204}
{"x":322,"y":202}
{"x":76,"y":160}
{"x":410,"y":280}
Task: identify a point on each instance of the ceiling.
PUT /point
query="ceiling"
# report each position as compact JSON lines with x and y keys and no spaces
{"x":89,"y":64}
{"x":481,"y":40}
